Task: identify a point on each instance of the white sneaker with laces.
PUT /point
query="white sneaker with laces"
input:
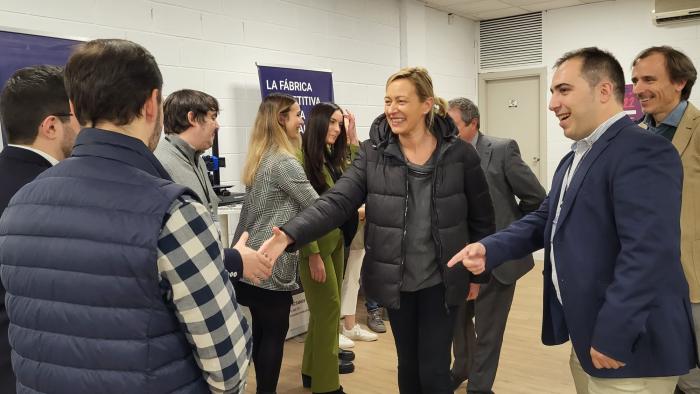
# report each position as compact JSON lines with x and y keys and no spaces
{"x":345,"y":343}
{"x":358,"y":333}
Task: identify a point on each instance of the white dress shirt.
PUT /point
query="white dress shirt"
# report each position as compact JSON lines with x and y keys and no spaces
{"x":43,"y":154}
{"x":580,"y":148}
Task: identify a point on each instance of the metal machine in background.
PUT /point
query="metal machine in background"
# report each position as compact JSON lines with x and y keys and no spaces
{"x":214,"y":162}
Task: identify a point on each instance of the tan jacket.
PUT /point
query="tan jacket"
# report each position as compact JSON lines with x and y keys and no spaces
{"x":687,"y":141}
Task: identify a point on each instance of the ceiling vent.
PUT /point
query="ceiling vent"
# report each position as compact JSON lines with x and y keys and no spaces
{"x":675,"y":11}
{"x":514,"y":41}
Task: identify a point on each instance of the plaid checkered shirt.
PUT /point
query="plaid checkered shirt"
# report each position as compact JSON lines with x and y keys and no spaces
{"x":190,"y":264}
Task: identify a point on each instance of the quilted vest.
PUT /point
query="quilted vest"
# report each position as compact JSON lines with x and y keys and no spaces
{"x":78,"y":248}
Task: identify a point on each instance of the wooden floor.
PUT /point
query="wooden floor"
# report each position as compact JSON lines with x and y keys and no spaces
{"x":526,"y":365}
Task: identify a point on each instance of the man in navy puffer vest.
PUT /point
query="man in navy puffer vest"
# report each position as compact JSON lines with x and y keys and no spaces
{"x":114,"y":274}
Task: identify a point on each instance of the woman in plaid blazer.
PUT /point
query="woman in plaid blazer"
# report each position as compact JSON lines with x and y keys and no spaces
{"x":276,"y":190}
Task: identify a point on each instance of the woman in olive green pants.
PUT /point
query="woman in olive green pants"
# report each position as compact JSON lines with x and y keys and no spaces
{"x":324,"y":151}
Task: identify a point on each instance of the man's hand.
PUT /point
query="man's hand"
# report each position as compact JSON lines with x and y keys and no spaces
{"x":602,"y":361}
{"x":473,"y":291}
{"x":273,"y":248}
{"x":473,"y":256}
{"x":256,"y":266}
{"x":318,"y":270}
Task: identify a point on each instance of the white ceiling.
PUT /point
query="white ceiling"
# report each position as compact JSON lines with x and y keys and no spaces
{"x":490,"y":9}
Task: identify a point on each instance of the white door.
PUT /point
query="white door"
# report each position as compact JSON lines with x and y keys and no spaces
{"x":512,"y":108}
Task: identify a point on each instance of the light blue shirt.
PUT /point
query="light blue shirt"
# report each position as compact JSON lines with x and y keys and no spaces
{"x":580,"y":148}
{"x":667,"y":127}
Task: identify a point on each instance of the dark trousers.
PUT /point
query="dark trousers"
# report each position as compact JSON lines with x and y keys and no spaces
{"x":270,"y":322}
{"x":477,"y":349}
{"x":422,"y":328}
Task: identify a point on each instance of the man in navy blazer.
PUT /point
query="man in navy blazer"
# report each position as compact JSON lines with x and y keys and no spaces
{"x":613,"y":281}
{"x":41,"y":131}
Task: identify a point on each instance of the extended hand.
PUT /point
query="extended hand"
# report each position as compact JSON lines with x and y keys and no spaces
{"x":473,"y":291}
{"x":255,"y":265}
{"x":273,"y":248}
{"x":602,"y":361}
{"x":318,"y":270}
{"x":473,"y":256}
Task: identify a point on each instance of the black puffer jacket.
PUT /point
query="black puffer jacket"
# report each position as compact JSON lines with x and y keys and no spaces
{"x":461,"y":204}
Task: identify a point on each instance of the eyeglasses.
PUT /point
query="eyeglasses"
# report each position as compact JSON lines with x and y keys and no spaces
{"x":63,"y":114}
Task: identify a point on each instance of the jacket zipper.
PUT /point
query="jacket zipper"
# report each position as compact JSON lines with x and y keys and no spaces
{"x":403,"y":234}
{"x":435,"y":231}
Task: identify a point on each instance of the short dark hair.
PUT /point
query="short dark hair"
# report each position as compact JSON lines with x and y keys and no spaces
{"x":29,"y":96}
{"x":678,"y":65}
{"x":110,"y":80}
{"x":598,"y":63}
{"x":178,"y":104}
{"x":467,"y":110}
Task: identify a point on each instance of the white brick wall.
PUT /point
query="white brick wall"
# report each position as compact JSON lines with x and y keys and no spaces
{"x":212,"y":45}
{"x":450,"y":55}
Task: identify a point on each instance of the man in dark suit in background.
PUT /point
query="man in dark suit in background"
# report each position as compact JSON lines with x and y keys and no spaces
{"x":39,"y":126}
{"x":40,"y":131}
{"x":613,"y":281}
{"x":476,"y":356}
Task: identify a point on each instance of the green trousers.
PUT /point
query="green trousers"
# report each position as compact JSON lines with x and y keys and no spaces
{"x":321,"y":344}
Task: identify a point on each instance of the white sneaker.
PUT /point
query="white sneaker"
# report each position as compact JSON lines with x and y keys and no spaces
{"x":358,"y":333}
{"x":345,"y":343}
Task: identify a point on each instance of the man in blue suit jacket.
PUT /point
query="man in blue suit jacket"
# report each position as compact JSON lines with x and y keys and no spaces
{"x":41,"y":131}
{"x":613,"y":281}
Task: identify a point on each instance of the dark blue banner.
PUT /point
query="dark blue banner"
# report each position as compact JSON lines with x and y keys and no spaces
{"x":21,"y":50}
{"x":309,"y":87}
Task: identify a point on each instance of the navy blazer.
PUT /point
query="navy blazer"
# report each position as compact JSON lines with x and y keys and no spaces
{"x":617,"y":252}
{"x":17,"y":168}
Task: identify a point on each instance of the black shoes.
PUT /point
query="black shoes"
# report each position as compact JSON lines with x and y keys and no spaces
{"x":345,"y":367}
{"x":306,"y":381}
{"x":346,"y":355}
{"x":339,"y":391}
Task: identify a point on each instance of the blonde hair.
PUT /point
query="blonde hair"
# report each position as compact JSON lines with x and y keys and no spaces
{"x":268,"y":133}
{"x":421,"y":80}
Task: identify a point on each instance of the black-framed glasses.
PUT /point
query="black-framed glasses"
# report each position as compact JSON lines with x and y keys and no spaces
{"x":63,"y":114}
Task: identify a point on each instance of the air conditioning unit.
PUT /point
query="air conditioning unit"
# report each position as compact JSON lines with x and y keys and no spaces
{"x":675,"y":11}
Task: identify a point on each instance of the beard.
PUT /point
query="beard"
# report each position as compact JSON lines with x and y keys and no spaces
{"x":157,"y":131}
{"x":68,"y":141}
{"x":66,"y":148}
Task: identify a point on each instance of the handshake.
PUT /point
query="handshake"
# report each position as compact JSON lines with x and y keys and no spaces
{"x":257,"y":265}
{"x":473,"y":256}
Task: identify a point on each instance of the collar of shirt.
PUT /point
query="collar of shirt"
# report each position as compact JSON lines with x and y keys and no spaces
{"x":185,"y":148}
{"x":586,"y":143}
{"x":43,"y":154}
{"x":673,"y":119}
